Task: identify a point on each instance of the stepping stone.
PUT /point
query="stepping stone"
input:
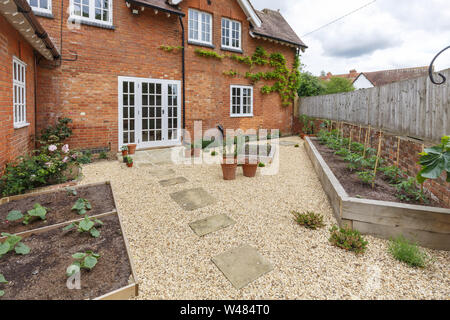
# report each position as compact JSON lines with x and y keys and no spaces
{"x":193,"y":199}
{"x":211,"y":224}
{"x":144,"y":165}
{"x":242,"y":265}
{"x":162,"y":172}
{"x":172,"y":182}
{"x":288,"y":143}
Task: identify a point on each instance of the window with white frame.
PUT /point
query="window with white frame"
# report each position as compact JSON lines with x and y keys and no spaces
{"x":241,"y":101}
{"x":99,"y":11}
{"x":19,"y":93}
{"x":44,"y":6}
{"x":231,"y":34}
{"x":200,"y":27}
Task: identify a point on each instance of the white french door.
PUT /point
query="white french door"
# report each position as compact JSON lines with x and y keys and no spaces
{"x":149,"y":112}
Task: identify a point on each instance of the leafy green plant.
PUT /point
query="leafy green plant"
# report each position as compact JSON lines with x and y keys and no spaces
{"x":2,"y":281}
{"x":261,"y":165}
{"x":371,"y":161}
{"x":393,"y":174}
{"x":357,"y":147}
{"x":209,"y":54}
{"x":367,"y":177}
{"x":13,"y":242}
{"x":297,"y":146}
{"x":71,"y":191}
{"x":214,"y":153}
{"x":308,"y":124}
{"x":124,"y":148}
{"x":86,"y":225}
{"x":231,"y":73}
{"x":82,"y":206}
{"x":170,"y":48}
{"x":409,"y":253}
{"x":408,"y":190}
{"x":83,"y":260}
{"x":86,"y":157}
{"x":355,"y":161}
{"x":57,"y":133}
{"x":435,"y":161}
{"x":38,"y":211}
{"x":103,"y":155}
{"x":309,"y":219}
{"x":348,"y":239}
{"x":343,"y":152}
{"x":128,"y":159}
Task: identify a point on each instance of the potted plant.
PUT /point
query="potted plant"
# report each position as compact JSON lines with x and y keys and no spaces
{"x":229,"y":164}
{"x":250,"y":166}
{"x":307,"y":125}
{"x":132,"y":148}
{"x":129,"y":161}
{"x":124,"y":150}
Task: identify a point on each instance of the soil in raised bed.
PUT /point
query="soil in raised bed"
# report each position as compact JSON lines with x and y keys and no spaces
{"x":59,"y":207}
{"x":355,"y":188}
{"x":41,"y":275}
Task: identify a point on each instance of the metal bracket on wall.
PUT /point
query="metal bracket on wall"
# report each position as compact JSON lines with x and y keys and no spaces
{"x":430,"y":70}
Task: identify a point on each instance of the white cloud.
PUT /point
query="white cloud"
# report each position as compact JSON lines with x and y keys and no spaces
{"x":387,"y":34}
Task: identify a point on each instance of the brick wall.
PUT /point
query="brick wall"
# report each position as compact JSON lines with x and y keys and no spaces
{"x":408,"y":155}
{"x":89,"y":85}
{"x":14,"y":142}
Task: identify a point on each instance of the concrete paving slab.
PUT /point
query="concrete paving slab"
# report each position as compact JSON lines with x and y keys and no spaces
{"x":173,"y":181}
{"x":242,"y":265}
{"x":162,"y":172}
{"x":288,"y":143}
{"x":192,"y":199}
{"x":211,"y":224}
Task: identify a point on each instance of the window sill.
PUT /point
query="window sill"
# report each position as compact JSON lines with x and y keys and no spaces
{"x":22,"y":125}
{"x":92,"y":23}
{"x":43,"y":14}
{"x":232,"y":49}
{"x":241,"y":116}
{"x":200,"y":44}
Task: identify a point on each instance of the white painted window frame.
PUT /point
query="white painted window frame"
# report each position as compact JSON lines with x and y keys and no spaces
{"x":199,"y":27}
{"x":230,"y":37}
{"x":19,"y":115}
{"x":42,"y":10}
{"x":241,"y":114}
{"x":91,"y":18}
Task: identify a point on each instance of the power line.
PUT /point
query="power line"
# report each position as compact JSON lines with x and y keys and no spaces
{"x":338,"y":19}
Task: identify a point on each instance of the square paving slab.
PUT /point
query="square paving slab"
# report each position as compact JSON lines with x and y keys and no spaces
{"x":193,"y":199}
{"x":162,"y":172}
{"x":242,"y":265}
{"x":211,"y":224}
{"x":172,"y":182}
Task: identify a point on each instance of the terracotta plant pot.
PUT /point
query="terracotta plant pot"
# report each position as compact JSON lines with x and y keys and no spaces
{"x":249,"y":168}
{"x":132,"y":148}
{"x":302,"y":135}
{"x":229,"y":170}
{"x":129,"y":165}
{"x":124,"y":153}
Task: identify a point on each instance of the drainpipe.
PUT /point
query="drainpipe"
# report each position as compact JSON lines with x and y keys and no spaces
{"x":183,"y":72}
{"x":35,"y":98}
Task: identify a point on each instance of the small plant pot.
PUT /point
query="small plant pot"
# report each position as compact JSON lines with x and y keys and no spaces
{"x":132,"y":148}
{"x":249,"y":169}
{"x":302,"y":135}
{"x":124,"y":153}
{"x":229,"y":170}
{"x":130,"y":165}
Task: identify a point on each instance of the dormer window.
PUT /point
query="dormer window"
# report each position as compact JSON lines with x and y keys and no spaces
{"x":231,"y":34}
{"x":41,"y":6}
{"x":200,"y":27}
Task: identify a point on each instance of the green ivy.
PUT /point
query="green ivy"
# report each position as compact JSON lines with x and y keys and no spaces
{"x":231,"y":73}
{"x":208,"y":54}
{"x":170,"y":48}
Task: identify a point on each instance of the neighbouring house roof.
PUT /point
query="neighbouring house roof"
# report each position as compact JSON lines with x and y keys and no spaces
{"x":379,"y":78}
{"x":266,"y":24}
{"x":275,"y":27}
{"x":20,"y":15}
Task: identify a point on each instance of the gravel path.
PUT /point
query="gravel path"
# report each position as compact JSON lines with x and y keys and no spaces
{"x":173,"y":263}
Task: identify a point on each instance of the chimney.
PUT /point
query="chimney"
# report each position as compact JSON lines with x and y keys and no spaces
{"x":353,"y":71}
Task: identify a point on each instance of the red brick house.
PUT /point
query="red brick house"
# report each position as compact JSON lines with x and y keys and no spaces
{"x":100,"y":63}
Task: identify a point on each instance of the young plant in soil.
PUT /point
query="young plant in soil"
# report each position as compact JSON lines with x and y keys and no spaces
{"x":83,"y":260}
{"x":402,"y":250}
{"x":38,"y":211}
{"x":309,"y":219}
{"x":348,"y":239}
{"x":13,"y":242}
{"x":393,"y":174}
{"x":86,"y":225}
{"x":355,"y":161}
{"x":367,"y":177}
{"x":2,"y":281}
{"x":409,"y":191}
{"x":343,"y":152}
{"x":71,"y":191}
{"x":82,"y":206}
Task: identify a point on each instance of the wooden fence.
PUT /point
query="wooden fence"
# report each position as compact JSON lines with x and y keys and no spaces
{"x":415,"y":108}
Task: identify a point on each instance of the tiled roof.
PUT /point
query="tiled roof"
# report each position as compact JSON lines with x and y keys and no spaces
{"x":274,"y":26}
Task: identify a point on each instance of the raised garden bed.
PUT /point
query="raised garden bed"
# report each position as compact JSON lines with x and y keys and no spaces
{"x":427,"y":225}
{"x":41,"y":274}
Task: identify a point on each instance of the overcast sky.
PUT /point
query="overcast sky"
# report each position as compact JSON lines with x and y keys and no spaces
{"x":385,"y":35}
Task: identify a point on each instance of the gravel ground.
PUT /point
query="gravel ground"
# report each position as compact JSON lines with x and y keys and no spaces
{"x":173,"y":263}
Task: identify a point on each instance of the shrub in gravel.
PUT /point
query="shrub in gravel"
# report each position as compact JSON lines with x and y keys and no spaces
{"x":402,"y":250}
{"x":261,"y":165}
{"x":348,"y":239}
{"x":309,"y":219}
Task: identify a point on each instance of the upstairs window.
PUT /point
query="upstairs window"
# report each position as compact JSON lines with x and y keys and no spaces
{"x":99,"y":11}
{"x":241,"y":101}
{"x":42,"y":6}
{"x":200,"y":27}
{"x":231,"y":34}
{"x":19,"y":94}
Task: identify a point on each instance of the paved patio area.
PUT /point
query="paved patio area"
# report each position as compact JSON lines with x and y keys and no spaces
{"x":173,"y":262}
